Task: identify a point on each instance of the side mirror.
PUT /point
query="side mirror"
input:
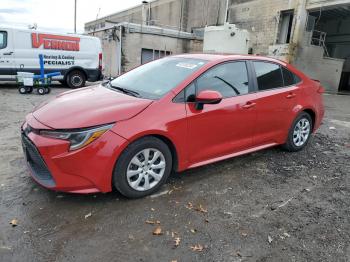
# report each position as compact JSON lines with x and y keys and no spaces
{"x":208,"y":97}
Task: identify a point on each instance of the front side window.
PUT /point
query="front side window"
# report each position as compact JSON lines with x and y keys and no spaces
{"x":3,"y":39}
{"x":229,"y":79}
{"x":155,"y":79}
{"x":188,"y":94}
{"x":269,"y":75}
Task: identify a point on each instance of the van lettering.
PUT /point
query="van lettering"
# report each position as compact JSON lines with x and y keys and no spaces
{"x":55,"y":42}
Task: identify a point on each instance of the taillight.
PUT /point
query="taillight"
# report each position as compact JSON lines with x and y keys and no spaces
{"x":100,"y":61}
{"x":321,"y":90}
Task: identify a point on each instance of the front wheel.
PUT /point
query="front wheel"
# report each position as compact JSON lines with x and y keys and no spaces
{"x":142,"y":168}
{"x":299,"y":133}
{"x":22,"y":90}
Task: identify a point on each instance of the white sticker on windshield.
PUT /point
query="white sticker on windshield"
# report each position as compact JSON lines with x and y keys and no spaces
{"x":186,"y":65}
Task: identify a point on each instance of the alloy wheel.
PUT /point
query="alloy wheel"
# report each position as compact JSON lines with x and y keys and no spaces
{"x":146,"y":169}
{"x":301,"y":132}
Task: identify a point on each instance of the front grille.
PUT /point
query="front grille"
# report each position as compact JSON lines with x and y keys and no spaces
{"x":36,"y":163}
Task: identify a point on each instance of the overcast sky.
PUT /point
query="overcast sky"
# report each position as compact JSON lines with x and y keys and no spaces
{"x":58,"y":14}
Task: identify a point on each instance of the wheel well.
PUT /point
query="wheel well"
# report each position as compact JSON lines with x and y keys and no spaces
{"x":165,"y":140}
{"x":312,"y":114}
{"x":172,"y":148}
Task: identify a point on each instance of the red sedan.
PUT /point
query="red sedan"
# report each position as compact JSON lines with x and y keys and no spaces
{"x":172,"y":114}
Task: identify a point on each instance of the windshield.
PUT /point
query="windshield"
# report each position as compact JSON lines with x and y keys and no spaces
{"x":155,"y":79}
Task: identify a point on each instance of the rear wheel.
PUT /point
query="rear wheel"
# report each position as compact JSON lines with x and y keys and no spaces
{"x":76,"y":79}
{"x":142,"y":168}
{"x":299,"y":133}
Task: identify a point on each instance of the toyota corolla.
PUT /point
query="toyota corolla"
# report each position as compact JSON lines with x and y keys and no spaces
{"x":171,"y":114}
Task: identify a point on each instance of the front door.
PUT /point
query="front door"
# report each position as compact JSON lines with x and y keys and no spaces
{"x":7,"y":66}
{"x":227,"y":127}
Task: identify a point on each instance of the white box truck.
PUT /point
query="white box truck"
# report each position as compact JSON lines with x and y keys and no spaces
{"x":77,"y":57}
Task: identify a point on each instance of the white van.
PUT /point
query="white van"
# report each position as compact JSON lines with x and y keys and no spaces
{"x":77,"y":57}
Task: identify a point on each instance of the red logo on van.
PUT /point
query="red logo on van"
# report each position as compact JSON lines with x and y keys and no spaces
{"x":55,"y":42}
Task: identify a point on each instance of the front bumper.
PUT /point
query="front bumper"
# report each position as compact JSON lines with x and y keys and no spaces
{"x":87,"y":170}
{"x":36,"y":163}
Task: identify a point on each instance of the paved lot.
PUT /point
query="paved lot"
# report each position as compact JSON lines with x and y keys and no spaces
{"x":266,"y":206}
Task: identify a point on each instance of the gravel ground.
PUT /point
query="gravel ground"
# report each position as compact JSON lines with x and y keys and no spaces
{"x":266,"y":206}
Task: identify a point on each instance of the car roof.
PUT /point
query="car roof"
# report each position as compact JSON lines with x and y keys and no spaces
{"x":223,"y":57}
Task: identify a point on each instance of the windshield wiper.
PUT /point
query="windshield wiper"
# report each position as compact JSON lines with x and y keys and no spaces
{"x":227,"y":83}
{"x":125,"y":90}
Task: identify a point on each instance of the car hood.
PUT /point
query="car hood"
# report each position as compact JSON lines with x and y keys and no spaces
{"x":86,"y":107}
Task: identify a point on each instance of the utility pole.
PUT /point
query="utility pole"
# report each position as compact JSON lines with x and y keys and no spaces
{"x":226,"y":10}
{"x":75,"y":16}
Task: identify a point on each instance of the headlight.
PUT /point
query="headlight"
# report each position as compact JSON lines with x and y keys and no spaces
{"x":78,"y":138}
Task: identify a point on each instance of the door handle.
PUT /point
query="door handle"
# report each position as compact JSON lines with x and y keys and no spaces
{"x":8,"y":53}
{"x":249,"y":105}
{"x":291,"y":95}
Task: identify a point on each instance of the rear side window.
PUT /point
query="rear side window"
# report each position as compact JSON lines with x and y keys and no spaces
{"x":269,"y":75}
{"x":229,"y":79}
{"x":289,"y":78}
{"x":3,"y":39}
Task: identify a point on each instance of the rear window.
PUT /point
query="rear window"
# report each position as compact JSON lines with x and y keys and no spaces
{"x":3,"y":39}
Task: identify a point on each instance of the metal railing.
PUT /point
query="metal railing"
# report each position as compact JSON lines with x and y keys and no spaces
{"x":319,"y":39}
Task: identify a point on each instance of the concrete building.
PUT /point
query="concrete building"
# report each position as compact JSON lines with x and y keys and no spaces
{"x":126,"y":45}
{"x":311,"y":34}
{"x":314,"y":35}
{"x":152,"y":30}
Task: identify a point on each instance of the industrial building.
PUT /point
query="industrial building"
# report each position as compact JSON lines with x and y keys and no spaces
{"x":314,"y":35}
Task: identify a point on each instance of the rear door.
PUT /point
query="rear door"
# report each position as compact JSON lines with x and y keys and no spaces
{"x":277,"y":95}
{"x":7,"y":65}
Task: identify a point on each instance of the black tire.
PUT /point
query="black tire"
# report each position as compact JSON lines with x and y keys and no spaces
{"x":41,"y":91}
{"x":47,"y":90}
{"x":29,"y":89}
{"x":22,"y":90}
{"x":120,"y":180}
{"x":76,"y":79}
{"x":290,"y":145}
{"x":63,"y":82}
